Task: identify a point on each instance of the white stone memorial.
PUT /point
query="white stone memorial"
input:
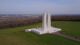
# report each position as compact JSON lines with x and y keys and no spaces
{"x":46,"y":26}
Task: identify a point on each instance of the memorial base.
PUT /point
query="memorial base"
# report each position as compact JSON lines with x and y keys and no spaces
{"x":41,"y":31}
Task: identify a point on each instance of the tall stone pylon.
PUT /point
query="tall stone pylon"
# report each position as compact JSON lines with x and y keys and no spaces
{"x":49,"y":20}
{"x":44,"y":22}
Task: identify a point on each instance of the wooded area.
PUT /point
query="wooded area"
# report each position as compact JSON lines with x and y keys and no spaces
{"x":20,"y":20}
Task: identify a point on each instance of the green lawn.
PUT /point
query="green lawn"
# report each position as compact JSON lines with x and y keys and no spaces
{"x":17,"y":36}
{"x":69,"y":27}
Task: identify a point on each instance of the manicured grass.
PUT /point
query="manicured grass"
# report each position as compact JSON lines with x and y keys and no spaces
{"x":17,"y":36}
{"x":69,"y":27}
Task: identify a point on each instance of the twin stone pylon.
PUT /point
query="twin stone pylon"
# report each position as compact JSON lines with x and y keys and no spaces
{"x":46,"y":26}
{"x":46,"y":22}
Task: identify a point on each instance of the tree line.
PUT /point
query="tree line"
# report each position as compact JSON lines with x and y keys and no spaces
{"x":13,"y":21}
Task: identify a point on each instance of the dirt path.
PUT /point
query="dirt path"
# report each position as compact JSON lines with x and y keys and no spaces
{"x":67,"y":36}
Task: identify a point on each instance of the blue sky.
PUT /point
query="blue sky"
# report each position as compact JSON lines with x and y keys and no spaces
{"x":39,"y":6}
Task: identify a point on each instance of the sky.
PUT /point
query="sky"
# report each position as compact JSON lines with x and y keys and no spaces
{"x":39,"y":6}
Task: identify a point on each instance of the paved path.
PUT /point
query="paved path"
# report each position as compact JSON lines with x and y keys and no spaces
{"x":67,"y":36}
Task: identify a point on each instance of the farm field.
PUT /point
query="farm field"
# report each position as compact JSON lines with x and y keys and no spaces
{"x":17,"y":36}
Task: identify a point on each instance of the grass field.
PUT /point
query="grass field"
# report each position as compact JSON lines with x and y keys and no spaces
{"x":17,"y":36}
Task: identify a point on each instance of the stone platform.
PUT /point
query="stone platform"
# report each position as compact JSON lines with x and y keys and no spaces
{"x":42,"y":31}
